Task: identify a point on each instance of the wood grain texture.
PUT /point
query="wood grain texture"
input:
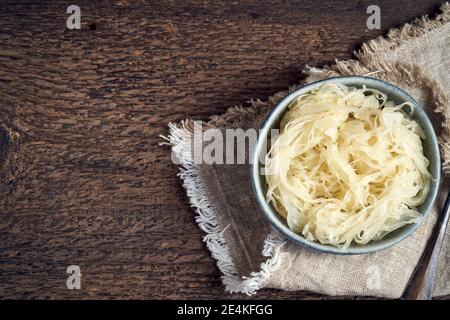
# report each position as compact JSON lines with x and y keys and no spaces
{"x":82,"y":178}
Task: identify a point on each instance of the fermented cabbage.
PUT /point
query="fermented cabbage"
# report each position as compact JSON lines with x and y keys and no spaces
{"x":347,"y":166}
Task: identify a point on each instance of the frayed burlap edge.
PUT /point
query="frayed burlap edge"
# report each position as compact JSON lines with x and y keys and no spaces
{"x":180,"y":138}
{"x":369,"y":64}
{"x":397,"y":36}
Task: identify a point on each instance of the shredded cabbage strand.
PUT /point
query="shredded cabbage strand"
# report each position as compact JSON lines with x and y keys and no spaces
{"x":348,"y":165}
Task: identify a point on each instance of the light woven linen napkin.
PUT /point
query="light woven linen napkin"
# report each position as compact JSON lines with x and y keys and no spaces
{"x":250,"y":254}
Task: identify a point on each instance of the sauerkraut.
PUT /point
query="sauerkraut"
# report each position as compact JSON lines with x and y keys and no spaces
{"x":347,"y":166}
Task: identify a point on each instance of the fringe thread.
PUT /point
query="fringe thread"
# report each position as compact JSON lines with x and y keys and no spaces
{"x":180,"y":138}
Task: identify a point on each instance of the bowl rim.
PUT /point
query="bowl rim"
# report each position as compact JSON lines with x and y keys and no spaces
{"x":271,"y":215}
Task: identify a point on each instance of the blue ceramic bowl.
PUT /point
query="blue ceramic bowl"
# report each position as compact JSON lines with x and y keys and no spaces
{"x":431,"y":151}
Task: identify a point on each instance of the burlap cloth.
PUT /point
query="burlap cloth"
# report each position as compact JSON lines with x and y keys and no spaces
{"x":250,"y":254}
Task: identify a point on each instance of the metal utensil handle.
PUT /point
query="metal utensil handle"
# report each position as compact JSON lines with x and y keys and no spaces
{"x":420,"y":285}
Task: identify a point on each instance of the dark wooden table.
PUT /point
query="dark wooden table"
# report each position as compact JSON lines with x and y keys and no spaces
{"x":82,"y":178}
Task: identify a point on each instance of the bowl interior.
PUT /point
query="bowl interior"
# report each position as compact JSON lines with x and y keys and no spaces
{"x":431,"y":151}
